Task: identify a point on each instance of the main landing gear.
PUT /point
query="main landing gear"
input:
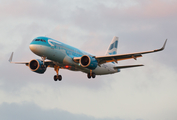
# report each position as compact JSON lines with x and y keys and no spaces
{"x":91,"y":74}
{"x":57,"y":77}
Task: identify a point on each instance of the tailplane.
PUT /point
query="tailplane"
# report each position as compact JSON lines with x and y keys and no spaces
{"x":127,"y":66}
{"x":112,"y":49}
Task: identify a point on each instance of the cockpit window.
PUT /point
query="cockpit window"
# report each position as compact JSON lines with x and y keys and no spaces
{"x":43,"y":40}
{"x":40,"y":40}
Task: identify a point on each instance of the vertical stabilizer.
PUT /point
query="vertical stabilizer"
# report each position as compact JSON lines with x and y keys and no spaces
{"x":112,"y":49}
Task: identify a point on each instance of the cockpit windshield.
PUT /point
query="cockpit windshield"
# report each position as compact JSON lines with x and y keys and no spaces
{"x":39,"y":40}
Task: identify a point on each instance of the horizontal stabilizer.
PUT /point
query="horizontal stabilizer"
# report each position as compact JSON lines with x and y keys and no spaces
{"x":128,"y":66}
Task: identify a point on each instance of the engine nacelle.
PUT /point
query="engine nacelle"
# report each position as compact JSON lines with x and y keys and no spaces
{"x":37,"y":66}
{"x":88,"y":62}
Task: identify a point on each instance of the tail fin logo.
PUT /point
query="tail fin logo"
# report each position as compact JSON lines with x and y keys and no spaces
{"x":113,"y":45}
{"x":112,"y":49}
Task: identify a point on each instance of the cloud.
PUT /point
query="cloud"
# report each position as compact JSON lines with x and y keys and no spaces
{"x":30,"y":111}
{"x":141,"y":93}
{"x":148,"y":92}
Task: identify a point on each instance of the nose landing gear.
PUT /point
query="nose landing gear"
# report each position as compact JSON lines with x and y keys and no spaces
{"x":57,"y":77}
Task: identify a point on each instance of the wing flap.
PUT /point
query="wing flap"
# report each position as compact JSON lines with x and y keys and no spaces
{"x":115,"y":58}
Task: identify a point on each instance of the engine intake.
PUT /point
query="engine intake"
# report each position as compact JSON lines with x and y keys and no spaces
{"x":37,"y":66}
{"x":88,"y":62}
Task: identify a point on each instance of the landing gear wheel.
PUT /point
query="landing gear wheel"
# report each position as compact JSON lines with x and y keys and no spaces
{"x":93,"y":75}
{"x":59,"y":77}
{"x":88,"y":75}
{"x":55,"y":78}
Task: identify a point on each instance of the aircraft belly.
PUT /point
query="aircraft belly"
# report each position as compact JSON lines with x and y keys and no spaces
{"x":103,"y":71}
{"x":69,"y":61}
{"x":55,"y":55}
{"x":98,"y":70}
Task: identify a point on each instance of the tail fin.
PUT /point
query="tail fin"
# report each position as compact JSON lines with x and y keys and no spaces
{"x":112,"y":49}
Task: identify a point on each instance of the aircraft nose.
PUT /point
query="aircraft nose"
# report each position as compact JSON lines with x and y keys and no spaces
{"x":31,"y":47}
{"x":36,"y":49}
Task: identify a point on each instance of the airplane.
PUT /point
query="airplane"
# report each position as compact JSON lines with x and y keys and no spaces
{"x":58,"y":55}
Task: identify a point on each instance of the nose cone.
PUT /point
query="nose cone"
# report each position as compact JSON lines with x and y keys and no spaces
{"x":32,"y":48}
{"x":35,"y":49}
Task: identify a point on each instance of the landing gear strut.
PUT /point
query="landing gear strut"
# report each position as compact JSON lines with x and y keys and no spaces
{"x":43,"y":59}
{"x":91,"y":74}
{"x":57,"y":77}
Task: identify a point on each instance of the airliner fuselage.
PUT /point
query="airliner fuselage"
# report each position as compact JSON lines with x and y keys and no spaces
{"x":63,"y":54}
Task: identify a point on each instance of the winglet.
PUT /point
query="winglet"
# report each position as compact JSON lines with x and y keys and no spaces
{"x":162,"y":47}
{"x":164,"y":44}
{"x":10,"y":60}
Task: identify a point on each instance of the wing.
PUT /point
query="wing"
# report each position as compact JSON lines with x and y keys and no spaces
{"x":10,"y":60}
{"x":115,"y":58}
{"x":48,"y":63}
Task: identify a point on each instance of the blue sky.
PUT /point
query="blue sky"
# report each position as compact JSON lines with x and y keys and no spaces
{"x":143,"y":93}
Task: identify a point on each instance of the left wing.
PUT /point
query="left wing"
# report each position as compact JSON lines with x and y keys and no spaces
{"x":115,"y":58}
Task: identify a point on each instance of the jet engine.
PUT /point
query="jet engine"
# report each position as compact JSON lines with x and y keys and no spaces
{"x":88,"y":62}
{"x":37,"y":66}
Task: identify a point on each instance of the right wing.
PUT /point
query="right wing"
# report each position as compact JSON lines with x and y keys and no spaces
{"x":48,"y":63}
{"x":10,"y":60}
